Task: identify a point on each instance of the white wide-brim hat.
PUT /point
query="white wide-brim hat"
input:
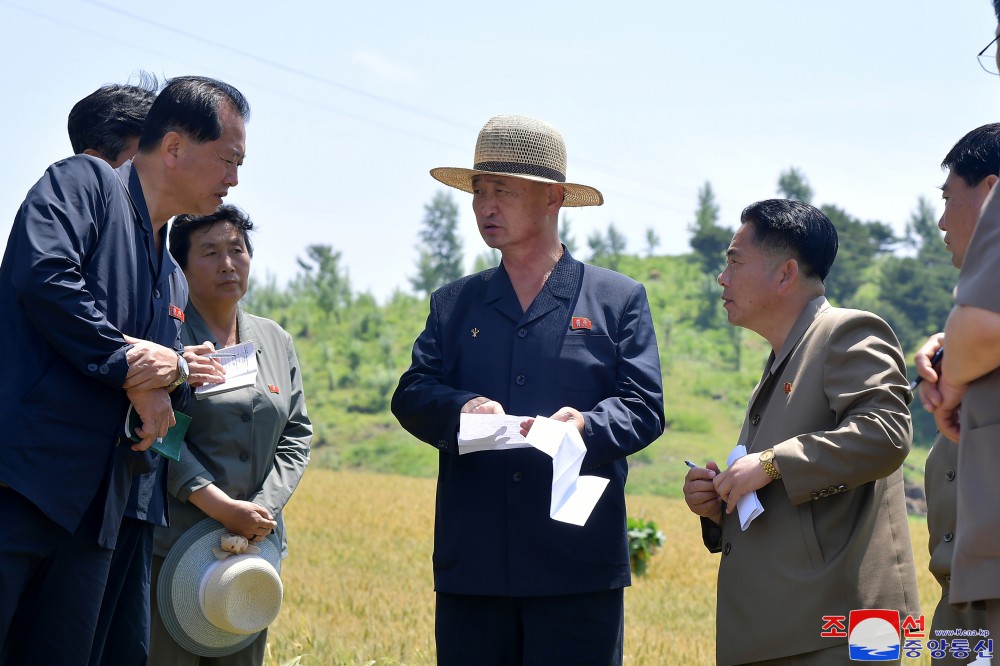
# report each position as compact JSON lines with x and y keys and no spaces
{"x":521,"y":147}
{"x":214,"y":607}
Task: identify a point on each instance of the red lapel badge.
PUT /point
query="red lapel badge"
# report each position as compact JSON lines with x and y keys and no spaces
{"x":272,"y":388}
{"x":579,"y":323}
{"x":788,"y":388}
{"x":176,"y":312}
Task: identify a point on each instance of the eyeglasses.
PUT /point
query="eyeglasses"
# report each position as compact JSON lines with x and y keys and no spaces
{"x":988,"y":57}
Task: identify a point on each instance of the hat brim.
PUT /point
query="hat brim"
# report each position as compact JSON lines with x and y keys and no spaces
{"x":177,"y":591}
{"x":461,"y":179}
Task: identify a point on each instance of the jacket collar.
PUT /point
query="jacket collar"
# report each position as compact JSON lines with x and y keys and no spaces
{"x":809,"y":313}
{"x":561,"y":286}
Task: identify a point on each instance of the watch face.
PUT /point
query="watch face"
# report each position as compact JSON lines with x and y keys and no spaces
{"x":767,"y":456}
{"x":182,"y":367}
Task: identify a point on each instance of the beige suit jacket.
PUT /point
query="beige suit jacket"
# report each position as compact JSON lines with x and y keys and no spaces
{"x":833,"y":536}
{"x":975,"y":567}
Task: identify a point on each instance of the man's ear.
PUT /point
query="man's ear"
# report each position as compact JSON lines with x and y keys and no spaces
{"x":991,"y":180}
{"x":789,"y":273}
{"x":170,"y":148}
{"x":556,"y":193}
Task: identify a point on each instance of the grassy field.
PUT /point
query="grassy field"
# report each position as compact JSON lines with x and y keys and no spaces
{"x":358,"y":587}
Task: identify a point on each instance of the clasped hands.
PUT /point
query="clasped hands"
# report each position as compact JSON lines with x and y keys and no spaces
{"x":481,"y":405}
{"x":707,"y":488}
{"x":939,"y":396}
{"x":152,"y":367}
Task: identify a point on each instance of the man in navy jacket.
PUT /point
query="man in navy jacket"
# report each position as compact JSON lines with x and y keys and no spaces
{"x":541,"y":334}
{"x":86,"y":286}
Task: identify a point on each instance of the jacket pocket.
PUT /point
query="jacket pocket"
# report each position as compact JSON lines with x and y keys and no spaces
{"x":809,"y":535}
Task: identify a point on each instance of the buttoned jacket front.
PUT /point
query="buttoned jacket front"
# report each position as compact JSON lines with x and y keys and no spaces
{"x":587,"y":342}
{"x":80,"y":270}
{"x":252,"y":442}
{"x":834,"y":535}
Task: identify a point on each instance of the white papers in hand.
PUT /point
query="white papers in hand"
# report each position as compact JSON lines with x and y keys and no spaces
{"x":747,"y":506}
{"x":490,"y":432}
{"x":240,"y":365}
{"x":573,"y":496}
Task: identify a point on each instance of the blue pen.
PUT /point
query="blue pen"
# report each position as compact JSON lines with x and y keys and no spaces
{"x":935,"y":359}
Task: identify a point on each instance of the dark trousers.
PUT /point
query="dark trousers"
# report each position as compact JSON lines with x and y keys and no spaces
{"x":578,"y":629}
{"x":122,"y":636}
{"x":51,"y":584}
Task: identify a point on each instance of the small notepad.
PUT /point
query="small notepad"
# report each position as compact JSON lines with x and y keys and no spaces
{"x":239,"y":362}
{"x":169,"y":446}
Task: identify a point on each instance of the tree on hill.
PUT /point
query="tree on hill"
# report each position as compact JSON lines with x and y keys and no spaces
{"x":917,"y":291}
{"x":323,"y":279}
{"x":860,"y":244}
{"x":440,"y":259}
{"x":923,"y":235}
{"x":606,"y":249}
{"x":709,"y":239}
{"x":792,"y":184}
{"x":652,"y":241}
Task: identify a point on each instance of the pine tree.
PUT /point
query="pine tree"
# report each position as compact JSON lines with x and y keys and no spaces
{"x":440,"y":259}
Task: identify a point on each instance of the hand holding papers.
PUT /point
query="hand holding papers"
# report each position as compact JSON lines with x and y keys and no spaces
{"x":489,"y":432}
{"x":573,"y":496}
{"x":748,"y":506}
{"x":239,"y":362}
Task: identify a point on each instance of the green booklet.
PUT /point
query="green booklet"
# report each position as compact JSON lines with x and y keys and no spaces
{"x":169,"y":446}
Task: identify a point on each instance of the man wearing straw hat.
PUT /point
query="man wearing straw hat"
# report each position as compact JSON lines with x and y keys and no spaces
{"x":541,"y":334}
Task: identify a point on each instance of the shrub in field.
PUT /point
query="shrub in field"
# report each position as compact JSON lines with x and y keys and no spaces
{"x":643,"y":542}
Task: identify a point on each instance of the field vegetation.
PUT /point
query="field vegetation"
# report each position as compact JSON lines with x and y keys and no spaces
{"x":359,"y":589}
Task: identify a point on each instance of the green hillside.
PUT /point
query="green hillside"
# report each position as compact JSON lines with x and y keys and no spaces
{"x":353,"y":350}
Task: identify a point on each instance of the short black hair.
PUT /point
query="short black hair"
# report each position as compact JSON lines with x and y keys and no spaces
{"x":996,"y":9}
{"x":107,"y":118}
{"x":184,"y":226}
{"x":784,"y":226}
{"x":191,"y":105}
{"x":976,"y":155}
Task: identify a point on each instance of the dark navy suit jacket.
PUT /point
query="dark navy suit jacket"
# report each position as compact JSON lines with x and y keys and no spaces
{"x":587,"y":342}
{"x":80,"y":269}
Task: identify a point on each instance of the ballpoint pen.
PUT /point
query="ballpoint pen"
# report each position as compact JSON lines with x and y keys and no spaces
{"x":935,"y":359}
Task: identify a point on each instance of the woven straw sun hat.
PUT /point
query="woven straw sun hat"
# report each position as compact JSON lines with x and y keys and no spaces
{"x":214,"y":607}
{"x":524,"y":148}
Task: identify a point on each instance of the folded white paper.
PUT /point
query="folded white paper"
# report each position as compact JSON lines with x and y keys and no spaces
{"x":573,"y":496}
{"x":747,"y":506}
{"x":490,"y":432}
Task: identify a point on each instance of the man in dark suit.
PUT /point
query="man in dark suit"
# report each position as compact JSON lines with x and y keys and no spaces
{"x":826,"y":431}
{"x":86,"y":284}
{"x":541,"y":334}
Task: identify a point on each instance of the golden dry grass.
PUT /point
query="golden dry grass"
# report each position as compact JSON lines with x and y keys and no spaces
{"x":359,"y":590}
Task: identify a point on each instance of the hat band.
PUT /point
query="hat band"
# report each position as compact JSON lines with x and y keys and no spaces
{"x":521,"y":168}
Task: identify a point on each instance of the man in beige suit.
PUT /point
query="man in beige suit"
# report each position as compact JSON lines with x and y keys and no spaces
{"x":826,"y":431}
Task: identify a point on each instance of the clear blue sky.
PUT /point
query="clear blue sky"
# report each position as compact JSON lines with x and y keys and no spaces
{"x":354,"y":102}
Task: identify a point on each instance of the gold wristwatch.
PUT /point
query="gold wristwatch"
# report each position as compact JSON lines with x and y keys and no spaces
{"x":767,"y":462}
